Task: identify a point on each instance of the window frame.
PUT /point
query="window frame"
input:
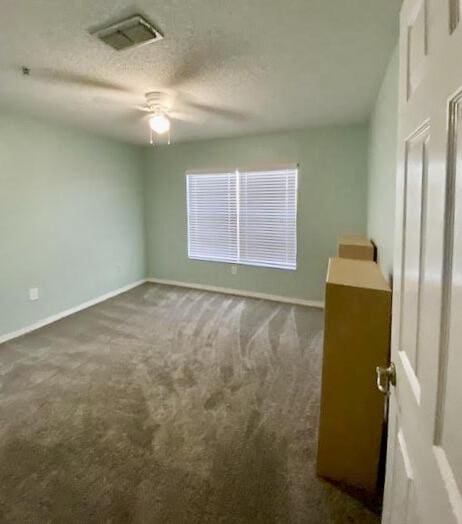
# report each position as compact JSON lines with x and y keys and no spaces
{"x":237,"y":171}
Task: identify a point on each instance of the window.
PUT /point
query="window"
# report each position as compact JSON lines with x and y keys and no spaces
{"x":244,"y":217}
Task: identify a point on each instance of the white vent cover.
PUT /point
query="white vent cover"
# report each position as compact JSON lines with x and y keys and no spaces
{"x":132,"y":32}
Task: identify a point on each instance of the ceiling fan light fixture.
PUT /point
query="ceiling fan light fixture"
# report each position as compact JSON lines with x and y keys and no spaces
{"x":159,"y":123}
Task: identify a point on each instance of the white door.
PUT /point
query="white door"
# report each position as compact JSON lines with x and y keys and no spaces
{"x":424,"y":462}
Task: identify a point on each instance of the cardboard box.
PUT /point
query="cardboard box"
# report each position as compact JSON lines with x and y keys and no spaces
{"x":356,"y":246}
{"x":356,"y":341}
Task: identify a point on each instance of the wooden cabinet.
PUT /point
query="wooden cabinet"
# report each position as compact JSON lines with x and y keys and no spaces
{"x":356,"y":340}
{"x":356,"y":247}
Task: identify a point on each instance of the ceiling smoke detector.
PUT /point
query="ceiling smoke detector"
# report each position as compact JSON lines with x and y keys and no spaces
{"x":131,"y":32}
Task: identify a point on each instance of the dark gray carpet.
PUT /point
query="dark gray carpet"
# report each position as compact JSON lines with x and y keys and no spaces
{"x":166,"y":405}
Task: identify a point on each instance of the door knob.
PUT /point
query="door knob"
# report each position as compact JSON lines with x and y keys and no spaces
{"x":385,"y":377}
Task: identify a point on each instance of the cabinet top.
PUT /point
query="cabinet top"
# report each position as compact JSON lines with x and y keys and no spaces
{"x":356,"y":273}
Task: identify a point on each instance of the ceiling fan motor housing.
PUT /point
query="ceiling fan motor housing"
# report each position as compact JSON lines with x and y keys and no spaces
{"x":156,"y":101}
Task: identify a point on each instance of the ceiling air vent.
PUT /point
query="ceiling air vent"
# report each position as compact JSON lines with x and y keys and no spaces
{"x":132,"y":32}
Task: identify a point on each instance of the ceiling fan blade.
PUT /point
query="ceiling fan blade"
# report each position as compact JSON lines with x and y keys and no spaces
{"x":192,"y":66}
{"x":181,"y":116}
{"x":77,"y":79}
{"x":198,"y":62}
{"x":143,"y":109}
{"x":221,"y":112}
{"x":134,"y":114}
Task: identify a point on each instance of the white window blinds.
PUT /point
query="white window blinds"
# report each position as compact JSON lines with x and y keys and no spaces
{"x":212,"y":221}
{"x":245,"y":217}
{"x":268,"y":218}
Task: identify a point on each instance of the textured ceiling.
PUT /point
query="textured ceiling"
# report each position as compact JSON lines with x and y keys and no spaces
{"x":229,"y":67}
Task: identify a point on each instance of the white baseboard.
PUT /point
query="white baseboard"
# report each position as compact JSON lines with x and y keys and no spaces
{"x":204,"y":287}
{"x":239,"y":292}
{"x":67,"y":312}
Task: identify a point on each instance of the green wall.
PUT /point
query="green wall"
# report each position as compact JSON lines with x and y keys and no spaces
{"x":74,"y":222}
{"x":332,"y":200}
{"x":71,"y":218}
{"x":382,"y":165}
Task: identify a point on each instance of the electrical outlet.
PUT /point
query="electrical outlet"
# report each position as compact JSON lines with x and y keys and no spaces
{"x":234,"y":270}
{"x":33,"y":293}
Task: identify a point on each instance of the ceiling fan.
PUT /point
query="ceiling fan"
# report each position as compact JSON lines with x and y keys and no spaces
{"x":159,"y":121}
{"x":161,"y":113}
{"x":159,"y":105}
